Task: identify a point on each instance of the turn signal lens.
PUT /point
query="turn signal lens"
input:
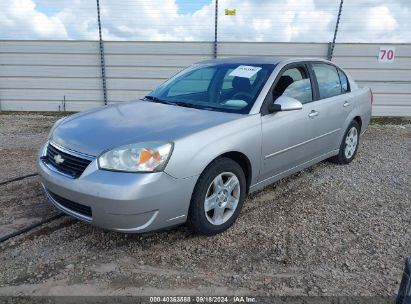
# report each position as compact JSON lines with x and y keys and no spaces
{"x":145,"y":156}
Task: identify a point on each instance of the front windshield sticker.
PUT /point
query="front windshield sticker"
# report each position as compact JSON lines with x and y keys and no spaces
{"x":245,"y":71}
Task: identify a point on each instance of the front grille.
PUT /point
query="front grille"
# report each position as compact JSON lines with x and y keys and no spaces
{"x":71,"y":164}
{"x":76,"y":207}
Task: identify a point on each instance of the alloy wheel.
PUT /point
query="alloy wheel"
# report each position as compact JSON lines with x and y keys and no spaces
{"x":351,"y":142}
{"x":222,"y":198}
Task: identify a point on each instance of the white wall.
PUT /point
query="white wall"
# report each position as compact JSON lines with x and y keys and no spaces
{"x":37,"y":75}
{"x":390,"y":82}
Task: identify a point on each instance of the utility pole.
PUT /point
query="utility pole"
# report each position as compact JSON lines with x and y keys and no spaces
{"x":103,"y":64}
{"x":332,"y":45}
{"x":216,"y":29}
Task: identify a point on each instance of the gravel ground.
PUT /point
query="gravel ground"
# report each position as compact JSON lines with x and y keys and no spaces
{"x":329,"y":230}
{"x":20,"y":138}
{"x":22,"y":203}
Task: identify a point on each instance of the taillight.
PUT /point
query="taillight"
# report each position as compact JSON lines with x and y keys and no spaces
{"x":372,"y":96}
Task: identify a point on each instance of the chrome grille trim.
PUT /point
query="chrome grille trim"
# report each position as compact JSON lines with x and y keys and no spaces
{"x":72,"y":152}
{"x":75,"y":163}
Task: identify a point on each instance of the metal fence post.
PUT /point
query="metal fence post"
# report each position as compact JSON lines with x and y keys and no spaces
{"x":331,"y":47}
{"x":102,"y":61}
{"x":216,"y":29}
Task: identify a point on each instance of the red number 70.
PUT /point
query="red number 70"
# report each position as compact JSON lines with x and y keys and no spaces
{"x":389,"y":54}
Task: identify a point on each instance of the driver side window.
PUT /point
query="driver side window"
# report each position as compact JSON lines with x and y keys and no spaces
{"x":295,"y":83}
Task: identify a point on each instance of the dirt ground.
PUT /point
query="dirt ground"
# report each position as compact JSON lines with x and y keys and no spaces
{"x":329,"y":230}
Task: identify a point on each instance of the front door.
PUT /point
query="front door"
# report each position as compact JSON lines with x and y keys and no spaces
{"x":287,"y":136}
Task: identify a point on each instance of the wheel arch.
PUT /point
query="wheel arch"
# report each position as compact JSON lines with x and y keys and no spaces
{"x":352,"y":117}
{"x":359,"y":121}
{"x":241,"y":159}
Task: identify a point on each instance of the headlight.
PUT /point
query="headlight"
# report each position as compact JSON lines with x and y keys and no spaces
{"x":140,"y":157}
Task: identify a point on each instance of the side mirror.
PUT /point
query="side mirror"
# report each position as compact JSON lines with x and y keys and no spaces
{"x":285,"y":103}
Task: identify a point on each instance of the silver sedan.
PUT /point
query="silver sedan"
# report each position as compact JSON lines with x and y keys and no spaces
{"x":191,"y":150}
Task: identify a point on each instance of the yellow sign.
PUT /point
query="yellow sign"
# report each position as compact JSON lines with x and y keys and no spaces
{"x":229,"y":12}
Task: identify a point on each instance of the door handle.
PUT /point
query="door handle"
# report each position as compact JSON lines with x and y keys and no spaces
{"x":346,"y":104}
{"x":313,"y":114}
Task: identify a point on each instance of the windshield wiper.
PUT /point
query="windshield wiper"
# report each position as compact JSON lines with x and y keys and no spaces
{"x":194,"y":106}
{"x":156,"y":99}
{"x":186,"y":104}
{"x":179,"y":103}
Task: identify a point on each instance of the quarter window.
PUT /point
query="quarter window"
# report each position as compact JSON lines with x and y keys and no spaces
{"x":328,"y":80}
{"x":344,"y":82}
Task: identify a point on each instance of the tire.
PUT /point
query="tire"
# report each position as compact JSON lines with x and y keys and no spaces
{"x":349,"y":144}
{"x":224,"y":197}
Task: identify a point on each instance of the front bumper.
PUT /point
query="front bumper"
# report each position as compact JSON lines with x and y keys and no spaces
{"x":126,"y":202}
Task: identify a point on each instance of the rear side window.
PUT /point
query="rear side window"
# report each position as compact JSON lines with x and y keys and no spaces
{"x":328,"y":80}
{"x":344,"y":82}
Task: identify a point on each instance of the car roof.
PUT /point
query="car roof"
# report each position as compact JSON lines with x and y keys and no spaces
{"x":257,"y":60}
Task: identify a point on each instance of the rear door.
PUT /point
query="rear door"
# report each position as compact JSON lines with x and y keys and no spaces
{"x":332,"y":107}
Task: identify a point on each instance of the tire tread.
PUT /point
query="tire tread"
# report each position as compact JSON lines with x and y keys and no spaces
{"x":196,"y":221}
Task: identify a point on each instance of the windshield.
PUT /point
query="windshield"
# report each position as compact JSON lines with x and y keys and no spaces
{"x":220,"y":87}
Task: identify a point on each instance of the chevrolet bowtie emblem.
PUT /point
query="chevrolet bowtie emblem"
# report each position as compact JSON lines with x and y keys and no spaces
{"x":58,"y":159}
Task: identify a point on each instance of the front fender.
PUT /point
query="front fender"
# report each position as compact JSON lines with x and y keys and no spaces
{"x":193,"y":153}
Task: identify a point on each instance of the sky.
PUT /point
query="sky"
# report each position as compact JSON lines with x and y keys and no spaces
{"x":193,"y":20}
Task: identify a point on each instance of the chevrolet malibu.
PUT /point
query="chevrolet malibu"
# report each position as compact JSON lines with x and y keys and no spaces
{"x":191,"y":150}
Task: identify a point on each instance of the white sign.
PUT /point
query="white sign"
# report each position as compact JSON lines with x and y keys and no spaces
{"x":387,"y":54}
{"x":245,"y":71}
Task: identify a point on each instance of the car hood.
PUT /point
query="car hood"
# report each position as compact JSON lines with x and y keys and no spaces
{"x":97,"y":130}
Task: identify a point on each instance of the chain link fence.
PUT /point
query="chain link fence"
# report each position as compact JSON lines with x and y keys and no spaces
{"x":362,"y":21}
{"x":55,"y":54}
